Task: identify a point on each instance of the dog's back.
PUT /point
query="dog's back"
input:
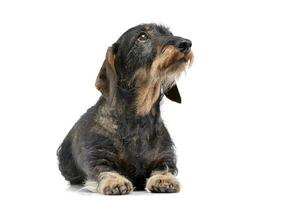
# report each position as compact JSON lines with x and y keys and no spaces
{"x":65,"y":153}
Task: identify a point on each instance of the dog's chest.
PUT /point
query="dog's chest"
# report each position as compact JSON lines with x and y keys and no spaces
{"x":139,"y":144}
{"x":138,"y":141}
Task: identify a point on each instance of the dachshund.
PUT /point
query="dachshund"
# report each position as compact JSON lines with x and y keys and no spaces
{"x":121,"y":143}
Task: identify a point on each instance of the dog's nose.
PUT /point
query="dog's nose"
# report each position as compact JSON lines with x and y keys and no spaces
{"x":184,"y":45}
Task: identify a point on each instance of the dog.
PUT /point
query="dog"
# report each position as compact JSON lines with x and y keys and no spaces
{"x":121,"y":143}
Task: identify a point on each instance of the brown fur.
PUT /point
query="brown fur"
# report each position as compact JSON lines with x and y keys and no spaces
{"x":148,"y":90}
{"x":106,"y":81}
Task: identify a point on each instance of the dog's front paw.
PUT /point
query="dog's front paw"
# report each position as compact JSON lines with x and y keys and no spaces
{"x":114,"y":184}
{"x":160,"y":183}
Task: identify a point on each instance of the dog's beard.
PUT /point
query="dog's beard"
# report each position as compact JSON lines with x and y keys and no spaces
{"x":162,"y":74}
{"x":169,"y":65}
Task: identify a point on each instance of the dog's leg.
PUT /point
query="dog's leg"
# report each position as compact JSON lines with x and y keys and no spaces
{"x":162,"y":182}
{"x":110,"y":183}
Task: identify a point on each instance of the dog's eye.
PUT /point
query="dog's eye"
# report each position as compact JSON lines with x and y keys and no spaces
{"x":143,"y":37}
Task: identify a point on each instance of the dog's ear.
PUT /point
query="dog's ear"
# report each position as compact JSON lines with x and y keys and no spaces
{"x":106,"y":81}
{"x":173,"y":94}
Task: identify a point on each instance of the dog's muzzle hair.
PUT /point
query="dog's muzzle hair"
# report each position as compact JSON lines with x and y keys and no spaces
{"x":121,"y":143}
{"x":166,"y":67}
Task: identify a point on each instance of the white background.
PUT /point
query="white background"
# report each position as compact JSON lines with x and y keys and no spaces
{"x":236,"y":132}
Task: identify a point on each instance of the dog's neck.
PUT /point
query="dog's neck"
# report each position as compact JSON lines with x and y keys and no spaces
{"x":128,"y":101}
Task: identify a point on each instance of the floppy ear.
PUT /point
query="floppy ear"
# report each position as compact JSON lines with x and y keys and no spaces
{"x":173,"y":94}
{"x":106,"y":81}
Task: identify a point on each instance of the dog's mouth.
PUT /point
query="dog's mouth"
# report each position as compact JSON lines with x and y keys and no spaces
{"x":174,"y":57}
{"x":185,"y":59}
{"x":178,"y":62}
{"x":171,"y":60}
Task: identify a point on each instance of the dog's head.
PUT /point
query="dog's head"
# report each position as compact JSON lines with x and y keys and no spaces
{"x":147,"y":58}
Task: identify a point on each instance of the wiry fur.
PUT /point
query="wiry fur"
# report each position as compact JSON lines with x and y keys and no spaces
{"x":121,"y":141}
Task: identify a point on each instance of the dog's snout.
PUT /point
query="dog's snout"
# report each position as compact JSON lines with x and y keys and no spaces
{"x":184,"y":45}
